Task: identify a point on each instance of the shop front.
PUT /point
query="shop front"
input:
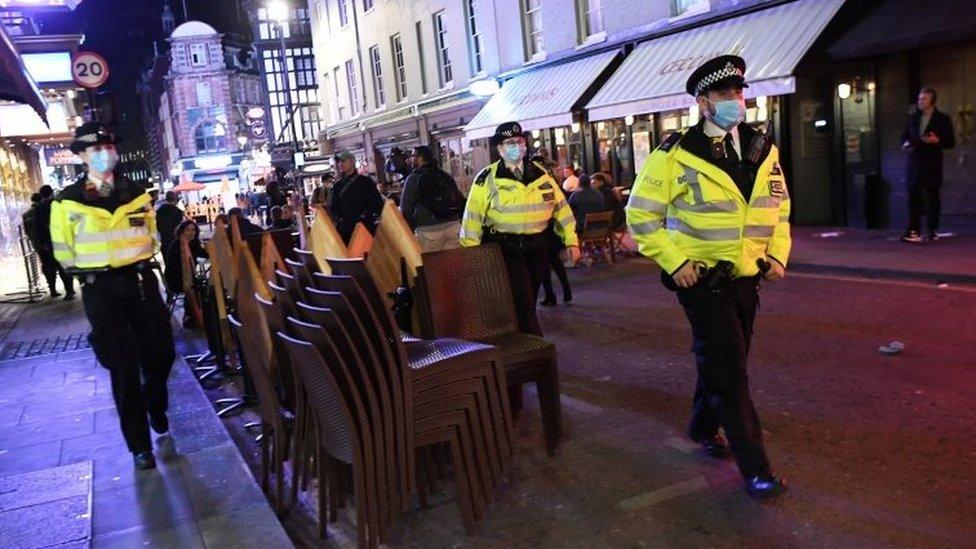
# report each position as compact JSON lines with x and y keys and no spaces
{"x":457,"y":155}
{"x":645,"y":100}
{"x":863,"y":92}
{"x":548,"y":103}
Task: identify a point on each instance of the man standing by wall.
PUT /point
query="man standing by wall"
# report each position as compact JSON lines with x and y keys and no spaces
{"x":928,"y":133}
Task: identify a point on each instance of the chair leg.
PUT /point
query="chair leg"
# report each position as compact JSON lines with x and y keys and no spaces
{"x":465,"y":497}
{"x":332,"y":480}
{"x":515,"y":400}
{"x":548,"y":403}
{"x":265,"y":457}
{"x":298,"y":456}
{"x":324,"y":492}
{"x":280,"y":442}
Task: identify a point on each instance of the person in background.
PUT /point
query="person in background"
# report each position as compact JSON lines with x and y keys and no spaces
{"x":432,"y":203}
{"x":571,"y":182}
{"x":168,"y":218}
{"x":354,"y":199}
{"x":512,"y":202}
{"x":556,"y":265}
{"x":611,"y":203}
{"x":282,"y":218}
{"x":585,"y":200}
{"x":928,"y":133}
{"x":246,"y":227}
{"x":50,"y":267}
{"x":188,"y":232}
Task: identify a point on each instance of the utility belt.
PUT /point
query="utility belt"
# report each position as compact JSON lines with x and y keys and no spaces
{"x":517,"y":243}
{"x":717,"y":279}
{"x":103,"y":274}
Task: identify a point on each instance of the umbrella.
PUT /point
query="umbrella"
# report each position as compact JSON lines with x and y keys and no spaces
{"x":188,"y":186}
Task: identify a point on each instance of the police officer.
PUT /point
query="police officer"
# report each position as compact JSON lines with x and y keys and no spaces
{"x":103,"y":231}
{"x":512,"y":202}
{"x":711,"y":207}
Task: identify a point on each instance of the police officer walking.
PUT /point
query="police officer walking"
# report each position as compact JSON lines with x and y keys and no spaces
{"x":512,"y":202}
{"x":102,"y":229}
{"x":711,"y":207}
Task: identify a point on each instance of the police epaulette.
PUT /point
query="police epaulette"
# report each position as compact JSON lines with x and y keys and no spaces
{"x":671,"y":141}
{"x":482,"y":176}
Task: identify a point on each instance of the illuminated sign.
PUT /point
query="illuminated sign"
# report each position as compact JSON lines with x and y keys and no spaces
{"x":212,"y":162}
{"x":61,"y":157}
{"x":48,"y":67}
{"x":28,"y":4}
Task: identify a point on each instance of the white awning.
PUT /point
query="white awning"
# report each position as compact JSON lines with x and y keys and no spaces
{"x":772,"y":41}
{"x":541,"y":98}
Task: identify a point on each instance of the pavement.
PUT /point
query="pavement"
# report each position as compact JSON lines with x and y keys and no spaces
{"x":66,"y":477}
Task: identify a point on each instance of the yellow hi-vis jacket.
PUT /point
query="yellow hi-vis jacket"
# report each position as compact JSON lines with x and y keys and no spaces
{"x":501,"y":204}
{"x":87,"y":237}
{"x":683,"y":208}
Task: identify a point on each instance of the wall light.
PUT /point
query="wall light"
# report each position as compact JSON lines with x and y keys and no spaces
{"x":575,"y":127}
{"x":484,"y":88}
{"x":629,"y":120}
{"x":278,"y":11}
{"x":843,"y":90}
{"x":536,"y":133}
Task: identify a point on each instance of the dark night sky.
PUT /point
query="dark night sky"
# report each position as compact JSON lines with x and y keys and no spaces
{"x":123,"y":31}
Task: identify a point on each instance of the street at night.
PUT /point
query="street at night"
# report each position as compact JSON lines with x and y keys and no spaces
{"x":487,"y":273}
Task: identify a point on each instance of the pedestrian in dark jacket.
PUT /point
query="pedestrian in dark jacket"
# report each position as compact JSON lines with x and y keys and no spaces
{"x":354,"y":199}
{"x":168,"y":218}
{"x":611,"y":203}
{"x":190,"y":232}
{"x":928,"y":133}
{"x":432,"y":203}
{"x":246,"y":227}
{"x":45,"y":248}
{"x":585,"y":200}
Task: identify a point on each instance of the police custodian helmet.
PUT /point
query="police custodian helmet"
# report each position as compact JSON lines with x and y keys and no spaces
{"x":716,"y":74}
{"x":505,"y":131}
{"x":90,"y":134}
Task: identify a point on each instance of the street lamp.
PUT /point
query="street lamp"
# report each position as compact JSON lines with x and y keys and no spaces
{"x":242,"y":140}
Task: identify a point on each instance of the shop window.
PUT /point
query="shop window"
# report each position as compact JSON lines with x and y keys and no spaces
{"x":589,"y":18}
{"x":444,"y":71}
{"x":689,"y":7}
{"x":474,"y":37}
{"x":614,"y":152}
{"x":210,"y":137}
{"x":376,"y":65}
{"x":399,"y":69}
{"x":532,"y":27}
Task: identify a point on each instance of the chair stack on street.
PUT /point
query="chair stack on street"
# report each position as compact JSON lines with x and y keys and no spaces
{"x":348,"y":397}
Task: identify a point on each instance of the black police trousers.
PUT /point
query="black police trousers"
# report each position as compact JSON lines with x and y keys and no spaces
{"x":721,"y":326}
{"x":527,"y":264}
{"x":52,"y":270}
{"x":132,"y":337}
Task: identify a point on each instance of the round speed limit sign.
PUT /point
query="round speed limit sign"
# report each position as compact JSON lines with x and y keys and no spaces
{"x":89,"y":69}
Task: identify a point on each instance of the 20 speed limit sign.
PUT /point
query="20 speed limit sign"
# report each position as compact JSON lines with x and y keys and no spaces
{"x":89,"y":69}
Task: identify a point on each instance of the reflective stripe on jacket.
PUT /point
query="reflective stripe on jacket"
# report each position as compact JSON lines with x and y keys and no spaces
{"x":684,"y":208}
{"x":88,"y":237}
{"x":512,"y":207}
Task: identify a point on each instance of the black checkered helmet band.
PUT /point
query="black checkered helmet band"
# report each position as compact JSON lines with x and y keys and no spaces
{"x":725,"y":72}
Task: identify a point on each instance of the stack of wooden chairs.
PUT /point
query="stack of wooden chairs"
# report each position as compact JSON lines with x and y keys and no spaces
{"x":347,"y":398}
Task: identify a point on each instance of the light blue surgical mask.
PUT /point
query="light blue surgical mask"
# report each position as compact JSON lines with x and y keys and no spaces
{"x":513,"y":153}
{"x":727,"y":114}
{"x":103,"y":161}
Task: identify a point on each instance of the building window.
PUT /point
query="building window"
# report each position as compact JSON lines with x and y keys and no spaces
{"x":367,"y":5}
{"x":305,"y":70}
{"x":337,"y":97}
{"x":532,"y":27}
{"x":474,"y":37}
{"x":210,"y":137}
{"x":444,"y":73}
{"x":343,"y":13}
{"x":399,"y":70}
{"x":420,"y":52}
{"x":352,"y":87}
{"x":204,"y":98}
{"x":311,"y":121}
{"x":198,"y":55}
{"x":590,"y":18}
{"x":379,"y":96}
{"x":689,"y":7}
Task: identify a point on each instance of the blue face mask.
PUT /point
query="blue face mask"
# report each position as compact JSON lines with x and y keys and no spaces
{"x":103,"y":161}
{"x":728,"y":114}
{"x":513,"y":153}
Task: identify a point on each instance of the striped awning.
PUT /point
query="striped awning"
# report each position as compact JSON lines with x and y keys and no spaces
{"x":772,"y":41}
{"x":542,"y":98}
